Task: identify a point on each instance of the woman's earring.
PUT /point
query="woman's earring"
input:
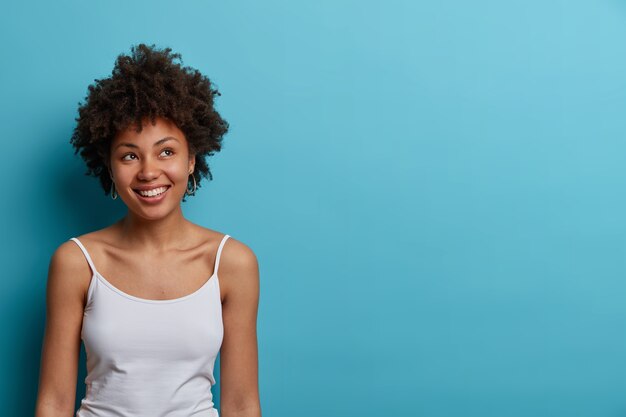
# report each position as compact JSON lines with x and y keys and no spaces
{"x":113,"y":190}
{"x":188,"y":191}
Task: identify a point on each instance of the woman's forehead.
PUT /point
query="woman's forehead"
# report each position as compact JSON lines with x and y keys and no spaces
{"x":150,"y":133}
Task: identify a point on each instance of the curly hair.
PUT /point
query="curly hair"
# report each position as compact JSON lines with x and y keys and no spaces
{"x":148,"y":83}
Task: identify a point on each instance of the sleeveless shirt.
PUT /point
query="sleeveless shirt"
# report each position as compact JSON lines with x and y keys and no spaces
{"x":150,"y":358}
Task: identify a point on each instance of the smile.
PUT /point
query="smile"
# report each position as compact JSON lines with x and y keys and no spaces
{"x":155,"y":192}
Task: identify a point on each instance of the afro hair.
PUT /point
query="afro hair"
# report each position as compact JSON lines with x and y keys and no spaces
{"x":148,"y":83}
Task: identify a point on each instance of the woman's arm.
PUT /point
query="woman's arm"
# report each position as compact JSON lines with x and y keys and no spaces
{"x":238,"y":356}
{"x":65,"y":293}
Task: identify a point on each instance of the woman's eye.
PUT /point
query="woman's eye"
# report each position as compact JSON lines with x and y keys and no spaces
{"x":125,"y":157}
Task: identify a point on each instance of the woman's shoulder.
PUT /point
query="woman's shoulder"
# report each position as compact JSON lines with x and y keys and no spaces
{"x":216,"y":237}
{"x":233,"y":251}
{"x":239,"y":267}
{"x":100,"y":236}
{"x":69,"y":269}
{"x":237,"y":258}
{"x":238,"y":254}
{"x":69,"y":257}
{"x":70,"y":250}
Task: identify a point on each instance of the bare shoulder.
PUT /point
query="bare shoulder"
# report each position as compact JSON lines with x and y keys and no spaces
{"x":238,"y":269}
{"x":69,"y":270}
{"x":67,"y":256}
{"x":235,"y":254}
{"x":238,"y":255}
{"x":69,"y":274}
{"x":101,"y":236}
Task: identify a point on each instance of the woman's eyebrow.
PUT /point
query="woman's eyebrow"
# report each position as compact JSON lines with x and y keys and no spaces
{"x":157,"y":143}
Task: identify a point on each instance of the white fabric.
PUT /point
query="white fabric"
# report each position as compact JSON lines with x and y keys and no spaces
{"x":150,"y":358}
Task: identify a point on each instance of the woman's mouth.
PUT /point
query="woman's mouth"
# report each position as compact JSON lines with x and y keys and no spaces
{"x":154,"y":195}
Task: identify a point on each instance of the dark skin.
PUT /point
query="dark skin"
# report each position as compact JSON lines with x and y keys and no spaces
{"x":154,"y":253}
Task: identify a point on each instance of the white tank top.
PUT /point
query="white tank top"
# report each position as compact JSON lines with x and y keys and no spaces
{"x":150,"y":358}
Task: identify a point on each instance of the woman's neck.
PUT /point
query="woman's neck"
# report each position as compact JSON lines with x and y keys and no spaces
{"x":159,"y":235}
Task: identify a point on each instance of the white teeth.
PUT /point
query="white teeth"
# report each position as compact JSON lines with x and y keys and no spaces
{"x":153,"y":192}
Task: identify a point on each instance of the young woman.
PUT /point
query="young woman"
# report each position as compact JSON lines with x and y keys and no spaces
{"x":154,"y":297}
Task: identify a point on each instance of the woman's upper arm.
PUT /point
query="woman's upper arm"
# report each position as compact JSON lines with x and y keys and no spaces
{"x":68,"y":274}
{"x":239,"y":388}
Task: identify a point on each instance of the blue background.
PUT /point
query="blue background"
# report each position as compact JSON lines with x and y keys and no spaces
{"x":435,"y":192}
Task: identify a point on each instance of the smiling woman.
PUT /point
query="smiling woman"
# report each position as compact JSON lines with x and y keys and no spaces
{"x":154,"y":327}
{"x":148,"y":84}
{"x":150,"y":168}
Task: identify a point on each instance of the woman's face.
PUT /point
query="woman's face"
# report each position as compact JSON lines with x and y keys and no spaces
{"x":154,"y":162}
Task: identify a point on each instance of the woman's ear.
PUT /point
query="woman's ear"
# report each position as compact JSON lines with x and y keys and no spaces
{"x":192,"y":163}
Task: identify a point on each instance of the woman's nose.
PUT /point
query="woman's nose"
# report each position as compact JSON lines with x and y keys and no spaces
{"x":148,"y":170}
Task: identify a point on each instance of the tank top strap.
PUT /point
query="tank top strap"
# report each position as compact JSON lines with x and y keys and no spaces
{"x":84,"y":250}
{"x":219,"y":253}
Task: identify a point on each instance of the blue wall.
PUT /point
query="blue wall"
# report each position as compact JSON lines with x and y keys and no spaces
{"x":435,"y":192}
